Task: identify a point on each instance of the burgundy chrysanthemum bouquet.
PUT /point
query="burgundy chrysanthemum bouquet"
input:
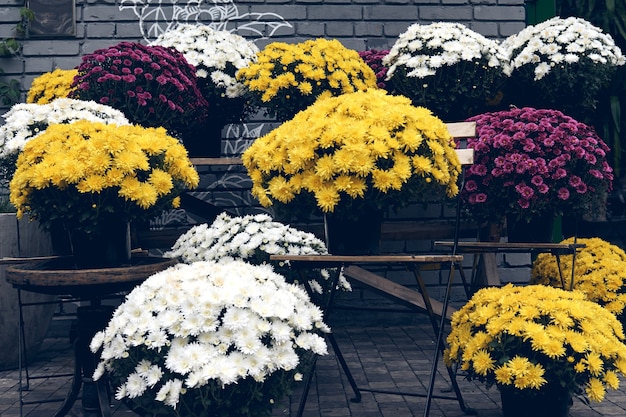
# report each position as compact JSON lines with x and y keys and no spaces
{"x":530,"y":162}
{"x":152,"y":85}
{"x":374,"y":58}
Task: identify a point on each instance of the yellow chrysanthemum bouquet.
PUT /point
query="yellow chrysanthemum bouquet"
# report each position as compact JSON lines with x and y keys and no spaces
{"x":538,"y":340}
{"x":287,"y":78}
{"x":51,"y":85}
{"x":85,"y":173}
{"x":599,"y":272}
{"x":358,"y":149}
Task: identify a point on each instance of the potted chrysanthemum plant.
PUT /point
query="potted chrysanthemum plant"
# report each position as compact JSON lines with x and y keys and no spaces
{"x":534,"y":164}
{"x":51,"y":85}
{"x":355,"y":154}
{"x":287,"y":78}
{"x":254,"y":238}
{"x":539,"y":346}
{"x":95,"y":179}
{"x":217,"y":55}
{"x":560,"y":64}
{"x":210,"y":339}
{"x":153,"y":86}
{"x":446,"y":67}
{"x":599,"y":272}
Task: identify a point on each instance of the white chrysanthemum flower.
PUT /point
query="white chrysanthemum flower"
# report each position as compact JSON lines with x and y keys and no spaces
{"x":252,"y":238}
{"x":114,"y":349}
{"x":281,"y":332}
{"x":170,"y":392}
{"x":152,"y":375}
{"x":422,"y":49}
{"x":240,"y":363}
{"x":559,"y":40}
{"x":312,"y":342}
{"x":236,"y":318}
{"x":315,"y":286}
{"x":285,"y":357}
{"x":213,"y":53}
{"x":135,"y":385}
{"x":120,"y":392}
{"x":99,"y":371}
{"x":542,"y":69}
{"x":221,"y":344}
{"x":177,"y":360}
{"x":248,"y":342}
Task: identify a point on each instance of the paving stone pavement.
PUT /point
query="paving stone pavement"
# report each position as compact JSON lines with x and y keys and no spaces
{"x":397,"y":357}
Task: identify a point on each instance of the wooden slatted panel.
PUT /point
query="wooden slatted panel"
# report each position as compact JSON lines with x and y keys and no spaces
{"x":462,"y":130}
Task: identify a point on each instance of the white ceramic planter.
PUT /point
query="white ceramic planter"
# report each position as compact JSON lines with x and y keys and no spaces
{"x":21,"y":239}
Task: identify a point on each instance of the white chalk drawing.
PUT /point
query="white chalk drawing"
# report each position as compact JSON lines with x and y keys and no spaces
{"x":158,"y":16}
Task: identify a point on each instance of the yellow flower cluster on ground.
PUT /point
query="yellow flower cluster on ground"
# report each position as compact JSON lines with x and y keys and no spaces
{"x":599,"y":272}
{"x":289,"y":77}
{"x":528,"y":337}
{"x":357,"y":146}
{"x":50,"y":86}
{"x":88,"y":169}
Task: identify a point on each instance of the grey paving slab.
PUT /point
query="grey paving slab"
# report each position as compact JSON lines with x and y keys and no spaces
{"x":380,"y":358}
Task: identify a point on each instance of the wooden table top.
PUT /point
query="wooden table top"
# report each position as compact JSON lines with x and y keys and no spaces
{"x":365,"y":259}
{"x":57,"y":276}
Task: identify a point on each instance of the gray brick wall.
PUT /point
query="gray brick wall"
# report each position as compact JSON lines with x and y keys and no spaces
{"x":358,"y":24}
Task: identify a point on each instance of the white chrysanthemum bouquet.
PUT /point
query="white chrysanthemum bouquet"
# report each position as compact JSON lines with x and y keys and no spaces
{"x":445,"y":67}
{"x":232,"y":338}
{"x":560,"y":64}
{"x":253,"y":238}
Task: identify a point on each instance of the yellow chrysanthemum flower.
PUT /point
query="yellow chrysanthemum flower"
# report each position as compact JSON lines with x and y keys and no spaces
{"x":502,"y":375}
{"x":541,"y":336}
{"x":95,"y":169}
{"x":483,"y":362}
{"x":325,"y":167}
{"x":92,"y":184}
{"x":280,"y":188}
{"x":161,"y":181}
{"x":580,"y":367}
{"x":611,"y":379}
{"x":595,"y":364}
{"x":422,"y":164}
{"x":534,"y":378}
{"x":519,"y":365}
{"x":289,"y":77}
{"x":130,"y":188}
{"x":598,"y":272}
{"x":50,"y":86}
{"x":357,"y":137}
{"x":595,"y":390}
{"x":327,"y":197}
{"x":384,"y":180}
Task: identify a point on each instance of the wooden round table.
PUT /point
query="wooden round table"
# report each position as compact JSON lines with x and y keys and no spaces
{"x":58,"y":277}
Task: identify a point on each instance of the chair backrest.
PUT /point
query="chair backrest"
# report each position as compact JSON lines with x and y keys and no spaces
{"x":459,"y":131}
